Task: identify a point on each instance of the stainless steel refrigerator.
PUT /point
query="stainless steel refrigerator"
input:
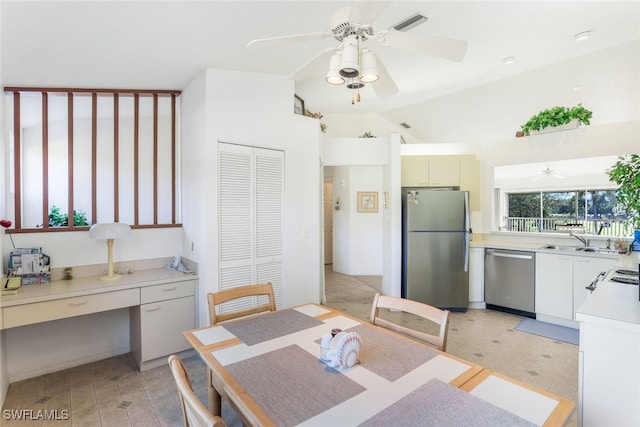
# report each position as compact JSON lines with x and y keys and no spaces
{"x":435,"y":247}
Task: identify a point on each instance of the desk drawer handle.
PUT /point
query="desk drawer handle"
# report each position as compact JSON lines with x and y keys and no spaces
{"x":152,"y":309}
{"x":72,"y":303}
{"x":169,"y":289}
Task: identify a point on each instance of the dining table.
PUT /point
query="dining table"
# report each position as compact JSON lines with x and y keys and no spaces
{"x":270,"y":369}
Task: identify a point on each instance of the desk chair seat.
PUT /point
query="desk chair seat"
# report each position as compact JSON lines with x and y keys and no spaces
{"x":433,"y":314}
{"x":195,"y":414}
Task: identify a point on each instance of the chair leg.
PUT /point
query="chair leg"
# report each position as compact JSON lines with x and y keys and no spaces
{"x":215,"y":400}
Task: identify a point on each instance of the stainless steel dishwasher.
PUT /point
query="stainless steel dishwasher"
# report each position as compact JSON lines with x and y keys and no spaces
{"x":509,"y":281}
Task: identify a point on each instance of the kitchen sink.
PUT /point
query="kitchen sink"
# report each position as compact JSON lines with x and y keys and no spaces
{"x":590,"y":249}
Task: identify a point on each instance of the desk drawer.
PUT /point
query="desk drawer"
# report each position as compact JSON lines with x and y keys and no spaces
{"x":167,"y":291}
{"x":28,"y":314}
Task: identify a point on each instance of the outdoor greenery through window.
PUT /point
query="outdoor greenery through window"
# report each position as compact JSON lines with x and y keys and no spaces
{"x":82,"y":156}
{"x":589,"y":211}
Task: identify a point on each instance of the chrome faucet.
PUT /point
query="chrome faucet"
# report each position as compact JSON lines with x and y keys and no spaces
{"x":582,"y":239}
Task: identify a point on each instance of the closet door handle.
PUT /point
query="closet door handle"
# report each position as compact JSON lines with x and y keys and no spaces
{"x":152,"y":309}
{"x":173,"y":288}
{"x":74,"y":303}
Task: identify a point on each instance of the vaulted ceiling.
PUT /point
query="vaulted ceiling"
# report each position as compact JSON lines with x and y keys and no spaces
{"x":164,"y":44}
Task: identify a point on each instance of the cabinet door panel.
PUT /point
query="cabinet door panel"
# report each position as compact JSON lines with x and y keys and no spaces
{"x":444,"y":172}
{"x":415,"y":171}
{"x":554,"y":285}
{"x":162,"y":324}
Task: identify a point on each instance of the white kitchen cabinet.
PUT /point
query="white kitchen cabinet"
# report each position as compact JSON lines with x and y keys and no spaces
{"x":444,"y":172}
{"x":554,"y":285}
{"x":560,"y":284}
{"x":585,"y":269}
{"x":476,"y":278}
{"x":157,"y":324}
{"x":415,"y":171}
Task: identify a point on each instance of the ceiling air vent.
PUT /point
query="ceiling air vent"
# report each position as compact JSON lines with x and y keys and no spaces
{"x":404,"y":125}
{"x":409,"y":22}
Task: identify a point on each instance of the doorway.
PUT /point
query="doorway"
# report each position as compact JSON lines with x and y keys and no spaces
{"x":328,"y":221}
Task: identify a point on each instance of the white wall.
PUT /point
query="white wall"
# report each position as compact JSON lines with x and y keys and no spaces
{"x":260,"y":115}
{"x":345,"y":125}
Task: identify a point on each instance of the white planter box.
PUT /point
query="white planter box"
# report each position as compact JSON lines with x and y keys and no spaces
{"x":573,"y":124}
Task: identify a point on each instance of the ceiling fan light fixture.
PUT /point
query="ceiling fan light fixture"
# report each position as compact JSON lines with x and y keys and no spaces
{"x":369,"y":70}
{"x":333,"y":75}
{"x":350,"y":66}
{"x":355,"y":85}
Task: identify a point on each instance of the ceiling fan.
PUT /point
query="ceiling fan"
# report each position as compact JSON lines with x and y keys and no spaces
{"x":351,"y":62}
{"x":550,"y":173}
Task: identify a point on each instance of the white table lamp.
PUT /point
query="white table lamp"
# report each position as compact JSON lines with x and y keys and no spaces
{"x":110,"y":231}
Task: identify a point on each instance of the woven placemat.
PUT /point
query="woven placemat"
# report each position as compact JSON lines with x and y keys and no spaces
{"x":254,"y":330}
{"x":439,"y":404}
{"x":393,"y":357}
{"x":291,"y":385}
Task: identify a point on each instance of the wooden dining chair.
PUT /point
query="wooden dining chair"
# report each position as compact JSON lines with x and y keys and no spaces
{"x":235,"y":294}
{"x":194,"y":413}
{"x":232,"y":294}
{"x":433,"y":314}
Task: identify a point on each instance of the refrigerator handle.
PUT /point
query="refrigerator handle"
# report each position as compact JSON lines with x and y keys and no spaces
{"x":467,"y":234}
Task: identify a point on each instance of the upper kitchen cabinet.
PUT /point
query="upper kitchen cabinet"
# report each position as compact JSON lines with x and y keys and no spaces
{"x":461,"y":171}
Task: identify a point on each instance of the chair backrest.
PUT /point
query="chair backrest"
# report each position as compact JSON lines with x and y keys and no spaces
{"x":217,"y":298}
{"x":433,"y":314}
{"x":195,"y":413}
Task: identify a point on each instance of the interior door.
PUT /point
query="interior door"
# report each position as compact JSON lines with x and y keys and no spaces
{"x":328,"y":221}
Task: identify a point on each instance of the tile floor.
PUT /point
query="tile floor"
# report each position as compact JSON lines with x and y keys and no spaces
{"x":111,"y":392}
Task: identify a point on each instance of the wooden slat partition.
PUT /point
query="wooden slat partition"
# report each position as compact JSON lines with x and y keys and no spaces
{"x":70,"y":152}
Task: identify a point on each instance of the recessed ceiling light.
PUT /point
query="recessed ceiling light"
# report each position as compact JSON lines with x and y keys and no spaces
{"x":582,"y":36}
{"x":509,"y":60}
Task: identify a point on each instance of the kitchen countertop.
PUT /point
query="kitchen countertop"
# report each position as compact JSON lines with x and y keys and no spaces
{"x":83,"y":286}
{"x":614,"y":304}
{"x":539,"y":247}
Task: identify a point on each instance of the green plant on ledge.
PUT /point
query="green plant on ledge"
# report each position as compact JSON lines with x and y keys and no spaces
{"x":626,"y":173}
{"x":557,"y":116}
{"x":367,"y":135}
{"x":57,"y":219}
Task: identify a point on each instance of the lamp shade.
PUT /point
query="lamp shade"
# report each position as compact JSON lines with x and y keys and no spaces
{"x":350,"y":66}
{"x":333,"y":75}
{"x":369,"y":72}
{"x":113,"y":230}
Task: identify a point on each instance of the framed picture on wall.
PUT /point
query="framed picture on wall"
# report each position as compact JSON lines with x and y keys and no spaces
{"x":298,"y":105}
{"x":367,"y":201}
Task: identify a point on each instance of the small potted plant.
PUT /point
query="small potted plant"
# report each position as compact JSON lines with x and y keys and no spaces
{"x":557,"y":116}
{"x":626,"y":173}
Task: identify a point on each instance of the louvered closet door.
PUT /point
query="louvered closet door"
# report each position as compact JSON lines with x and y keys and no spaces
{"x":251,"y":216}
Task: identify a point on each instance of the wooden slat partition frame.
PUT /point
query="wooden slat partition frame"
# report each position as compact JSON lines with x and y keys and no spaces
{"x":173,"y":158}
{"x":17,"y":162}
{"x":136,"y":156}
{"x":116,"y":158}
{"x":155,"y":158}
{"x":94,"y":157}
{"x":70,"y":158}
{"x":94,"y":93}
{"x":45,"y":160}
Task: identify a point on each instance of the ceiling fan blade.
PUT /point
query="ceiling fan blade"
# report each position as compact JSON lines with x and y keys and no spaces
{"x":384,"y":86}
{"x":366,"y":11}
{"x":314,"y":67}
{"x":451,"y":49}
{"x":277,"y":41}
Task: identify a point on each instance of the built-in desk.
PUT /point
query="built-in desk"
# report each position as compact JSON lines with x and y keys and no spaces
{"x":161,"y":303}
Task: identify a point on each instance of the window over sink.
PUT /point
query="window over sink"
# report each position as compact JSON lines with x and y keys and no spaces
{"x":559,"y":197}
